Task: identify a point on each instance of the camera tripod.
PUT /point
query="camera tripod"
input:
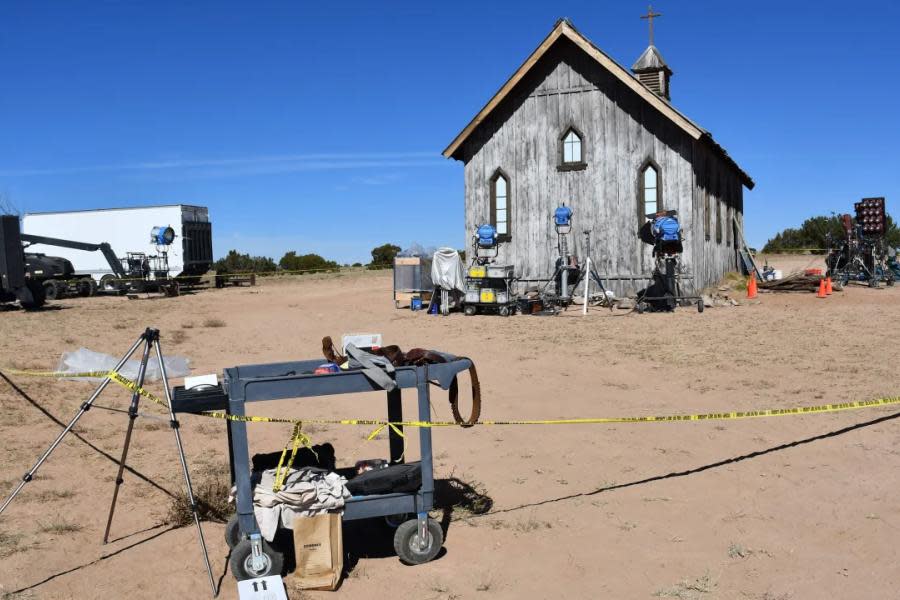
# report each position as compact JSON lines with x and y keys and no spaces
{"x":150,"y":341}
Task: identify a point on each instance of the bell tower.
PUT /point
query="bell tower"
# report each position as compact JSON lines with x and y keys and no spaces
{"x":650,"y":68}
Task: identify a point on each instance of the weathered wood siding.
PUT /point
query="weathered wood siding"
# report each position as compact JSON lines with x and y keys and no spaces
{"x":620,"y":134}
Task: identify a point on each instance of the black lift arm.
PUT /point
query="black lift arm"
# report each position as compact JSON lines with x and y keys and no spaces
{"x":114,"y":263}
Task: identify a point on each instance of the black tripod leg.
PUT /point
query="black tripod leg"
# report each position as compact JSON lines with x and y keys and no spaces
{"x":132,"y":415}
{"x":84,"y":408}
{"x":184,"y":468}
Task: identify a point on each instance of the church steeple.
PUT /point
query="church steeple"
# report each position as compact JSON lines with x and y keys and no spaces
{"x":650,"y":68}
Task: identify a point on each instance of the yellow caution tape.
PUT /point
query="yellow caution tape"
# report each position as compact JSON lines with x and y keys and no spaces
{"x":298,"y":438}
{"x":133,"y":387}
{"x":58,"y":374}
{"x":381,"y":425}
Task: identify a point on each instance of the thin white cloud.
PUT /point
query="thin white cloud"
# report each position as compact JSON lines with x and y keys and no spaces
{"x":250,"y":165}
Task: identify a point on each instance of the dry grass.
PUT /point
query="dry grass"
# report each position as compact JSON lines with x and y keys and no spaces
{"x":296,"y":592}
{"x":463,"y":497}
{"x":688,"y":589}
{"x":151,"y":424}
{"x":738,"y":551}
{"x":486,"y":584}
{"x":209,"y":428}
{"x":59,"y":526}
{"x":9,"y":544}
{"x":529,"y":525}
{"x":211,"y":495}
{"x":734,"y":280}
{"x":214,"y":323}
{"x":51,"y":495}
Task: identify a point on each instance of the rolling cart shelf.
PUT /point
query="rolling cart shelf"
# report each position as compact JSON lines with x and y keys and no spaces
{"x":498,"y":287}
{"x":294,"y":380}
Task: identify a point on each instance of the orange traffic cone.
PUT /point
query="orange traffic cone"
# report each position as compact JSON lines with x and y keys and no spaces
{"x":828,"y":286}
{"x":822,"y":293}
{"x":751,"y":288}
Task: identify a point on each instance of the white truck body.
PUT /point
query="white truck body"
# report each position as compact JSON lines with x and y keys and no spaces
{"x":127,"y":230}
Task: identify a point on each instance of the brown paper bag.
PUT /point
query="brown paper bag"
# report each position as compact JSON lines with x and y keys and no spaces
{"x":319,"y":547}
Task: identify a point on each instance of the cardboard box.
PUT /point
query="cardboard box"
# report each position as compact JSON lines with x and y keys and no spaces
{"x":319,"y":548}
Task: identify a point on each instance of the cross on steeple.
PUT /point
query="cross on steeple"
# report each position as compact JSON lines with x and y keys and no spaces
{"x":650,"y":16}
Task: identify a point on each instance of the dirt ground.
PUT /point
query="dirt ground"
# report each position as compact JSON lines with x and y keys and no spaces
{"x":785,"y":508}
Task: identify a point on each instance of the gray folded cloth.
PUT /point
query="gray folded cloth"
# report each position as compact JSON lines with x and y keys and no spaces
{"x":306,"y":492}
{"x":378,"y":369}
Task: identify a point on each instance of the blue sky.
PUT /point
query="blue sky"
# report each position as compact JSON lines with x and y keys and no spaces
{"x":318,"y":129}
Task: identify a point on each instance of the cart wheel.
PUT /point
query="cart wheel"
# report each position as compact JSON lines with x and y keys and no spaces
{"x":241,"y":561}
{"x":890,"y":282}
{"x":408,"y":544}
{"x":396,"y":304}
{"x":469,"y":310}
{"x":233,"y":535}
{"x":873,"y":283}
{"x":395,"y":521}
{"x":639,"y":308}
{"x":700,"y":306}
{"x":504,"y":311}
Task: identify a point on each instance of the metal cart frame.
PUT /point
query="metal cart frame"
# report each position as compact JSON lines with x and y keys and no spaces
{"x":504,"y":309}
{"x":294,"y":380}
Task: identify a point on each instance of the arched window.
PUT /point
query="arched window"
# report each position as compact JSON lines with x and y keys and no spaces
{"x":651,"y":190}
{"x":500,"y":206}
{"x":571,"y":151}
{"x":572,"y":147}
{"x":707,"y":212}
{"x":649,"y":198}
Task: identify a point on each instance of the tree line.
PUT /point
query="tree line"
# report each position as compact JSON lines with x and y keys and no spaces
{"x":811,"y":235}
{"x":235,"y":262}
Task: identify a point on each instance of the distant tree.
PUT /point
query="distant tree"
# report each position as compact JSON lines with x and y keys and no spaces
{"x":235,"y":262}
{"x":291,"y":261}
{"x":813,"y":231}
{"x":383,"y":256}
{"x":356,"y":264}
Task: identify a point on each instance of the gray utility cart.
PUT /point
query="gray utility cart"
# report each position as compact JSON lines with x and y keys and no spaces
{"x":417,"y":539}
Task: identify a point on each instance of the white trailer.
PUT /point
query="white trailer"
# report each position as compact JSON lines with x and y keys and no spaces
{"x":127,"y":230}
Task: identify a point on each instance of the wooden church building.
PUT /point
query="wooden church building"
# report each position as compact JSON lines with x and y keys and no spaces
{"x":573,"y":126}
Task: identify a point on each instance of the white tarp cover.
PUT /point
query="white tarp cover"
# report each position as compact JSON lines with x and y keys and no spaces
{"x":83,"y":360}
{"x":447,"y":270}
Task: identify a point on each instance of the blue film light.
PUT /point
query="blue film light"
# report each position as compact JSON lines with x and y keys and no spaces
{"x":487,"y":236}
{"x":563,"y":216}
{"x":162,"y":235}
{"x":667,"y":229}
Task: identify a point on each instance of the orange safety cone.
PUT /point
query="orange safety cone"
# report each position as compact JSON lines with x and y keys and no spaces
{"x":751,"y":288}
{"x":822,"y":293}
{"x":828,"y":286}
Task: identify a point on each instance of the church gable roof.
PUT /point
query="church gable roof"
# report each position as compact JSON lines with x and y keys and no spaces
{"x":564,"y":29}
